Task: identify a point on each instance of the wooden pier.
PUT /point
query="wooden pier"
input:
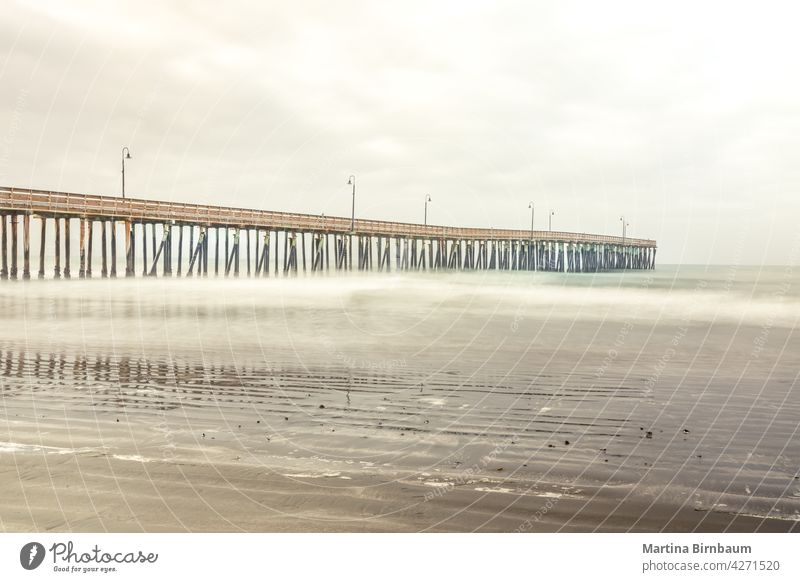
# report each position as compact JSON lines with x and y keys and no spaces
{"x":191,"y":239}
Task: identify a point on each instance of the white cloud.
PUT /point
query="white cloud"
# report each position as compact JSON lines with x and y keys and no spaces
{"x":679,"y":115}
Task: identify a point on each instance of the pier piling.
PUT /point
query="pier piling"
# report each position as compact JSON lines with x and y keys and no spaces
{"x":42,"y":246}
{"x":26,"y":246}
{"x":113,"y":248}
{"x":57,"y":266}
{"x":3,"y":248}
{"x":67,"y":245}
{"x":13,"y":272}
{"x":89,"y":234}
{"x":103,"y":251}
{"x":144,"y":249}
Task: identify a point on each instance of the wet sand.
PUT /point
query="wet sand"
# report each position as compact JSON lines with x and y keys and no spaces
{"x":399,"y":404}
{"x":86,"y":492}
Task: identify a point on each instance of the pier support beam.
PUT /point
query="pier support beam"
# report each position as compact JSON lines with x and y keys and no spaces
{"x":67,"y":244}
{"x":167,"y":262}
{"x":26,"y":246}
{"x":216,"y":253}
{"x":103,"y":250}
{"x":195,"y":254}
{"x":204,"y":233}
{"x":227,"y":249}
{"x":203,"y":251}
{"x":236,"y":249}
{"x":89,"y":235}
{"x":153,"y":232}
{"x":57,"y":263}
{"x":277,"y":248}
{"x":160,"y":251}
{"x":350,"y":253}
{"x":42,"y":246}
{"x":180,"y":250}
{"x":13,"y":272}
{"x":130,"y":248}
{"x":232,"y":261}
{"x":302,"y":249}
{"x":247,"y":234}
{"x":144,"y":249}
{"x":114,"y":248}
{"x":82,"y":249}
{"x":3,"y":248}
{"x":263,"y":267}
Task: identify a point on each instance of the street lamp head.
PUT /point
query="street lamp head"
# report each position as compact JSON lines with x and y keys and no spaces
{"x":351,"y":180}
{"x":530,"y":205}
{"x":128,"y":156}
{"x":428,"y":197}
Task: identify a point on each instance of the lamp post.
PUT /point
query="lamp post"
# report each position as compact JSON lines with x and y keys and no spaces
{"x":126,"y":155}
{"x":351,"y":181}
{"x":530,"y":205}
{"x":427,"y":199}
{"x":624,"y":232}
{"x":530,"y":243}
{"x":550,"y":219}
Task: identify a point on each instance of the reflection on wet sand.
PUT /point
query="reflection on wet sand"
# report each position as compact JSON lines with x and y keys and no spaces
{"x":476,"y":412}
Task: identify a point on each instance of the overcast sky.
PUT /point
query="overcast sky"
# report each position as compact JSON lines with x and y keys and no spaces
{"x":682,"y":116}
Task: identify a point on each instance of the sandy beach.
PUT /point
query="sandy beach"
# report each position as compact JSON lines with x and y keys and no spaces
{"x":400,"y":404}
{"x":87,"y":492}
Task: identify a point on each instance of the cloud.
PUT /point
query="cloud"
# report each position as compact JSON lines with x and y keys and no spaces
{"x":682,"y":117}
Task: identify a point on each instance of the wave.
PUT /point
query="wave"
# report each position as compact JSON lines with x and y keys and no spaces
{"x":550,"y":296}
